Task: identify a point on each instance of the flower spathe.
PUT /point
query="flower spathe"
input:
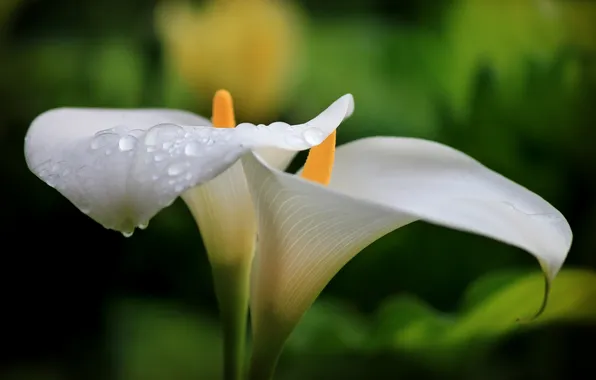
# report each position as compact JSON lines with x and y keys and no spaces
{"x":308,"y":232}
{"x":122,"y":166}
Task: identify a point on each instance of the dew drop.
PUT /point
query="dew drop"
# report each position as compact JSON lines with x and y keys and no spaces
{"x":192,"y":149}
{"x":160,"y":157}
{"x":127,"y":143}
{"x":179,"y":188}
{"x":144,"y":225}
{"x":167,"y":145}
{"x":127,"y":233}
{"x":162,"y":132}
{"x":103,"y":138}
{"x":188,"y":176}
{"x":313,"y":136}
{"x":177,"y":168}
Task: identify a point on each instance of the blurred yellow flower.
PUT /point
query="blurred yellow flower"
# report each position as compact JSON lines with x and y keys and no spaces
{"x":247,"y":46}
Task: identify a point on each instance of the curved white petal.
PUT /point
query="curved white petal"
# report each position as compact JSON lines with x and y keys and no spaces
{"x":122,"y":166}
{"x":277,"y":158}
{"x":281,"y":158}
{"x":224,"y":213}
{"x":308,"y":232}
{"x":441,"y":185}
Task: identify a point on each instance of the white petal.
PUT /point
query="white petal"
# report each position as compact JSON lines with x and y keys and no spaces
{"x":281,"y":158}
{"x":441,"y":185}
{"x":308,"y":232}
{"x":224,"y":213}
{"x":122,"y":166}
{"x":277,"y":158}
{"x":302,"y":136}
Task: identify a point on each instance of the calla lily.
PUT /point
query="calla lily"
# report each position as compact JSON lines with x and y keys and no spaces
{"x":225,"y":215}
{"x":121,"y":167}
{"x":312,"y":224}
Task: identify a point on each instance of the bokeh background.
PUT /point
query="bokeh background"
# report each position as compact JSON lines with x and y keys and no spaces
{"x":510,"y":82}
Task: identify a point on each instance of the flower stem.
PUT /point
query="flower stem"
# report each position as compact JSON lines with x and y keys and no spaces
{"x":263,"y":365}
{"x":232,"y":289}
{"x":269,"y":338}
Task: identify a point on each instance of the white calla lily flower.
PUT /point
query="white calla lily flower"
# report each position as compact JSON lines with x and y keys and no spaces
{"x":122,"y":166}
{"x":308,"y":232}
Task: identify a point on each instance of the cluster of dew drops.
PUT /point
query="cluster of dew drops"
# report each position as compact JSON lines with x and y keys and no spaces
{"x":166,"y":149}
{"x":169,"y":144}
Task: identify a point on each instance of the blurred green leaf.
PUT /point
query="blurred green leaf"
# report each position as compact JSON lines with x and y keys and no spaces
{"x":158,"y":341}
{"x":492,"y":307}
{"x":382,"y":66}
{"x":116,"y":73}
{"x":501,"y":34}
{"x":329,"y":327}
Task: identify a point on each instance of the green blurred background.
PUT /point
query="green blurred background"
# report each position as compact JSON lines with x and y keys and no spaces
{"x":510,"y":82}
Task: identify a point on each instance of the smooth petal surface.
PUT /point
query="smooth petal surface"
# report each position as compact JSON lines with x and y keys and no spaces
{"x":308,"y":232}
{"x":277,"y":158}
{"x":122,"y":166}
{"x":224,"y":212}
{"x":441,"y":185}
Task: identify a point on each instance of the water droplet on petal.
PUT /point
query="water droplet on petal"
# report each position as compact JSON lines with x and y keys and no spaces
{"x":94,"y":144}
{"x":177,"y":168}
{"x":127,"y":143}
{"x":144,"y":225}
{"x":313,"y":136}
{"x":163,"y":132}
{"x":167,"y":145}
{"x":192,"y":149}
{"x":160,"y":157}
{"x":127,"y":233}
{"x":103,"y":138}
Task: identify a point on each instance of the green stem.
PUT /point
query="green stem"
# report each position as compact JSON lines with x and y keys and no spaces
{"x":263,"y":364}
{"x":267,"y":346}
{"x":232,"y":289}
